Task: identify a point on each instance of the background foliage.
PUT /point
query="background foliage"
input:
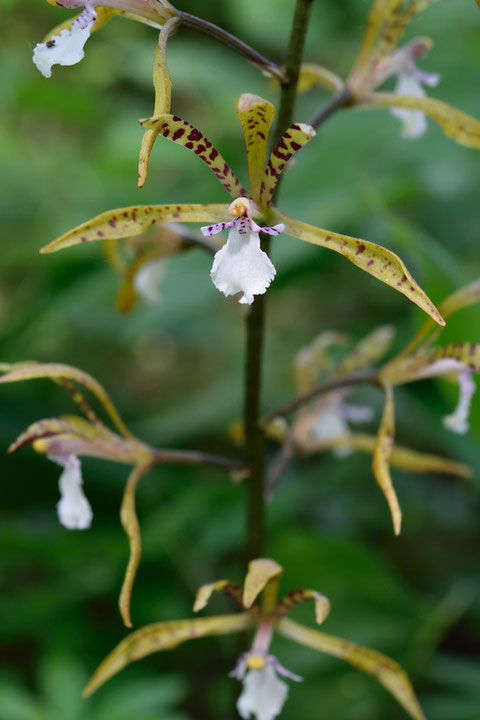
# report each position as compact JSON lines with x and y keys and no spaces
{"x":69,"y":150}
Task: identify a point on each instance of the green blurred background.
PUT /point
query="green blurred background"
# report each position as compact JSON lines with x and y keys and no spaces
{"x":69,"y":149}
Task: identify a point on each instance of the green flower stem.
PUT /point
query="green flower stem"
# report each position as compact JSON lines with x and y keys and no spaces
{"x":254,"y":437}
{"x":341,"y":99}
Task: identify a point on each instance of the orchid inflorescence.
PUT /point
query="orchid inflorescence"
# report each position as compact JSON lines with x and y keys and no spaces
{"x":242,"y":268}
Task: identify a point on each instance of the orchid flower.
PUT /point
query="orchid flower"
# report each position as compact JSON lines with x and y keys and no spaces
{"x":64,"y":44}
{"x":264,"y":693}
{"x":323,"y":422}
{"x":65,"y":439}
{"x":241,"y":266}
{"x":378,"y":59}
{"x":419,"y":360}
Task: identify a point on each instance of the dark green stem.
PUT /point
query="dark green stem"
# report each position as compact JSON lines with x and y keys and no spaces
{"x":207,"y":28}
{"x":254,"y":437}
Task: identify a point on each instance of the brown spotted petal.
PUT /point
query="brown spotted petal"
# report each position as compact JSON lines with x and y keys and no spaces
{"x":204,"y":593}
{"x":296,"y":597}
{"x":386,"y":24}
{"x":291,"y":142}
{"x":181,"y":132}
{"x":368,"y":351}
{"x":426,"y":363}
{"x":381,"y":458}
{"x":255,"y":115}
{"x":163,"y":93}
{"x":457,"y":125}
{"x":163,"y":636}
{"x":130,"y":221}
{"x":58,"y":372}
{"x":374,"y":259}
{"x":260,"y":572}
{"x":383,"y":668}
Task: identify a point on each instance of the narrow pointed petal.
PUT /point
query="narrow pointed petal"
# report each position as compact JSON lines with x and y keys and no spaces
{"x":162,"y":84}
{"x":129,"y":520}
{"x":386,"y":24}
{"x":129,"y":221}
{"x":312,"y":74}
{"x":228,"y":588}
{"x":387,"y":671}
{"x":381,"y":458}
{"x":256,"y":115}
{"x":379,"y":13}
{"x":163,"y":636}
{"x":296,"y":597}
{"x":457,"y":125}
{"x":434,"y":362}
{"x":58,"y":371}
{"x":181,"y":132}
{"x":291,"y":142}
{"x":374,"y":259}
{"x":462,"y":298}
{"x":368,"y":351}
{"x":401,"y":457}
{"x":260,"y":573}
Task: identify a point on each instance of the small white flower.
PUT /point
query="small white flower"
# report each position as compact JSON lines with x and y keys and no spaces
{"x":241,"y":265}
{"x":66,"y":48}
{"x":148,"y":279}
{"x":73,"y":508}
{"x":410,"y":83}
{"x":263,"y":694}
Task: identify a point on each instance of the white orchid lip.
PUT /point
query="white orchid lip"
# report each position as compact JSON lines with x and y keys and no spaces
{"x":241,"y":265}
{"x":67,"y":47}
{"x":73,"y":508}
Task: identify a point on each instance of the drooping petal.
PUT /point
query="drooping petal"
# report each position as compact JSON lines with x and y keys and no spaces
{"x":386,"y":670}
{"x":163,"y":636}
{"x":55,"y":371}
{"x":129,"y":520}
{"x":255,"y":115}
{"x":181,"y":132}
{"x":414,"y":122}
{"x":73,"y":508}
{"x":312,"y":74}
{"x":368,"y":350}
{"x":296,"y":597}
{"x":260,"y":572}
{"x":129,"y":221}
{"x":373,"y":258}
{"x":65,"y":48}
{"x":242,"y":266}
{"x":163,"y":93}
{"x":381,"y":458}
{"x":263,"y":694}
{"x":291,"y":142}
{"x":457,"y":422}
{"x":457,"y":125}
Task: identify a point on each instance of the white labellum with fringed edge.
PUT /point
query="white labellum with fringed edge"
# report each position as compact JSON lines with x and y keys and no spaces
{"x":241,"y":265}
